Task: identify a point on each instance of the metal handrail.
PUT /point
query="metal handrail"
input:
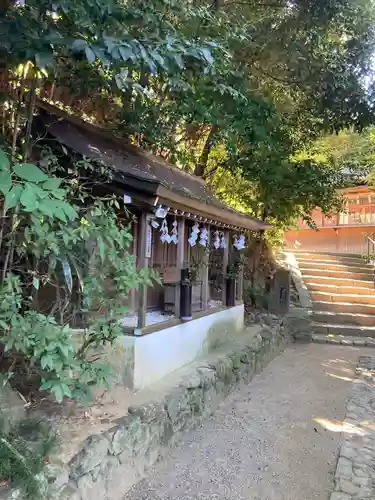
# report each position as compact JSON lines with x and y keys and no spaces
{"x":370,"y":247}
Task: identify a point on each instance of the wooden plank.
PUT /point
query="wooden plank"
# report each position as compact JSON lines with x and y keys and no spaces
{"x":143,"y":261}
{"x":179,"y":262}
{"x":206,"y":284}
{"x":225,"y":265}
{"x":171,"y":275}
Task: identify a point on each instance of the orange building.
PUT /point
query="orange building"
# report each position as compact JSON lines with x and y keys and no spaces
{"x":346,"y":232}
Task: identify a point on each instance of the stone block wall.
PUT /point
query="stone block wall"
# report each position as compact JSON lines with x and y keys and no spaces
{"x":109,"y":464}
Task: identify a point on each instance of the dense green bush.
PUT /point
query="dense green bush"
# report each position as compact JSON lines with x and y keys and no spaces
{"x":57,"y":234}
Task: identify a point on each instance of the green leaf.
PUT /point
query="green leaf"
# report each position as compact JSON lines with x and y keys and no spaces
{"x":45,"y":361}
{"x":4,"y":325}
{"x":4,"y":162}
{"x":101,"y":248}
{"x":90,"y":54}
{"x":52,"y":183}
{"x":36,"y":283}
{"x":69,"y":210}
{"x":126,"y":53}
{"x":66,"y":389}
{"x":44,"y":59}
{"x":47,"y":207}
{"x":13,"y":197}
{"x":59,"y":193}
{"x":79,"y":45}
{"x":208,"y":56}
{"x":28,"y":199}
{"x":5,"y":182}
{"x":30,"y":172}
{"x":58,"y":392}
{"x":65,"y":349}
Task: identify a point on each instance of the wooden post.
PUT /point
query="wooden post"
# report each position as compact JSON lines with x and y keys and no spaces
{"x":143,"y":261}
{"x":225,"y":266}
{"x":240,"y":284}
{"x":205,"y":284}
{"x":132,"y":298}
{"x":179,"y":262}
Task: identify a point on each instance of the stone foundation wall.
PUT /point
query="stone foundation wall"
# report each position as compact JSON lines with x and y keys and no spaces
{"x":109,"y":464}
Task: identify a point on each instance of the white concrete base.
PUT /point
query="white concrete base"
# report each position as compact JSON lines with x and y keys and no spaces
{"x":155,"y":355}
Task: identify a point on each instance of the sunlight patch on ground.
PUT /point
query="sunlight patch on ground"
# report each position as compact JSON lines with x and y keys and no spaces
{"x":339,"y":426}
{"x":340,"y":377}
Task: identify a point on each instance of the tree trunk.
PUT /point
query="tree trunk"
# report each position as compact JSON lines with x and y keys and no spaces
{"x":201,"y":166}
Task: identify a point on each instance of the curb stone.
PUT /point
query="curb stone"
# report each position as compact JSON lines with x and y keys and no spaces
{"x":355,"y":471}
{"x":343,"y":340}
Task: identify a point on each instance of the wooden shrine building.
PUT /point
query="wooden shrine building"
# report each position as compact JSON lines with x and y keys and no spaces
{"x":178,"y":224}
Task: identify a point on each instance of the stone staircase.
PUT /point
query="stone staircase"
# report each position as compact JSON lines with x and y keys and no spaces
{"x":342,"y":292}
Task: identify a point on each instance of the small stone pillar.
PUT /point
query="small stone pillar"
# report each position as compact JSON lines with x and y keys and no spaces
{"x":279,"y":296}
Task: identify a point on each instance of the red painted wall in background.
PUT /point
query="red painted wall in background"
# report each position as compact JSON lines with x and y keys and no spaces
{"x":342,"y":233}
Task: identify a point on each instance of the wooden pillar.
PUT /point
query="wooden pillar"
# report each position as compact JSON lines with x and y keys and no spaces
{"x":143,"y":261}
{"x":205,"y":284}
{"x":225,"y":265}
{"x":133,"y":293}
{"x":179,"y":262}
{"x":240,"y":284}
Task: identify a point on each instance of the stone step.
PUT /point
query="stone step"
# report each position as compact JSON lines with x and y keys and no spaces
{"x":366,"y":284}
{"x":345,"y":330}
{"x":341,"y":340}
{"x":300,"y":251}
{"x":331,"y":266}
{"x":329,"y":288}
{"x":341,"y":297}
{"x":342,"y":318}
{"x":343,"y":259}
{"x":345,"y":307}
{"x":366,"y":276}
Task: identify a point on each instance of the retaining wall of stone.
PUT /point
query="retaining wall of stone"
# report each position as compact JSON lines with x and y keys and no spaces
{"x":109,"y":464}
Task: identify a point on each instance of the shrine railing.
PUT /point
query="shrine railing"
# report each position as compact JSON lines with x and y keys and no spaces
{"x":353,"y":215}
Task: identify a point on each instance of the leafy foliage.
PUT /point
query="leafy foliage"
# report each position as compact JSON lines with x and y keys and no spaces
{"x":225,"y":89}
{"x":27,"y":185}
{"x":23,"y":452}
{"x":73,"y":245}
{"x":348,"y":151}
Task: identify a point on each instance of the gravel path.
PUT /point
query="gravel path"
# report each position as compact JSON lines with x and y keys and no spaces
{"x":263,"y":443}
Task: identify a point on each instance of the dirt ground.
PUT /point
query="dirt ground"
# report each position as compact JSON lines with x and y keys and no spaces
{"x":74,"y":423}
{"x":275,"y":439}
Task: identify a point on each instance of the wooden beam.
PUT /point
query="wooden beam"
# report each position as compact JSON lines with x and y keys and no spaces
{"x":225,"y":265}
{"x":205,"y":284}
{"x":171,"y":198}
{"x":143,"y":261}
{"x":180,"y":260}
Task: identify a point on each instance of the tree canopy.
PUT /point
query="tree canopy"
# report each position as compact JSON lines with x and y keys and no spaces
{"x":229,"y":90}
{"x":350,"y":152}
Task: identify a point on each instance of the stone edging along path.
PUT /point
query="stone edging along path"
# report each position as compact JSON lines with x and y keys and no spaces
{"x":109,"y":464}
{"x":343,"y":340}
{"x":355,"y":473}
